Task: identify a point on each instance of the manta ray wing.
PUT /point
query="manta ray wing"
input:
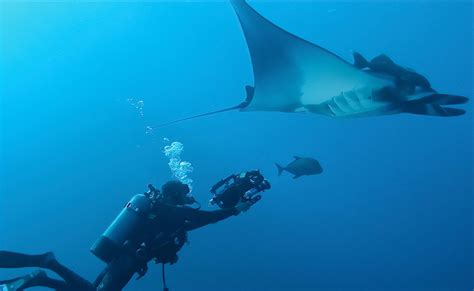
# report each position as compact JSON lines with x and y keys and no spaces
{"x":293,"y":75}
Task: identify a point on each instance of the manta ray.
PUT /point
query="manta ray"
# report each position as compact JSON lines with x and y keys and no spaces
{"x":295,"y":75}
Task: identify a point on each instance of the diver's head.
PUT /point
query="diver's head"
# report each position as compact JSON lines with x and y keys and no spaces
{"x":176,"y":193}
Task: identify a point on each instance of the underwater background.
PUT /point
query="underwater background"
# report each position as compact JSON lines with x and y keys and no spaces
{"x":83,"y":86}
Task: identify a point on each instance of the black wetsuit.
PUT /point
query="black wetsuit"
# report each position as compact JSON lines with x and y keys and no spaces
{"x":163,"y":236}
{"x":167,"y":230}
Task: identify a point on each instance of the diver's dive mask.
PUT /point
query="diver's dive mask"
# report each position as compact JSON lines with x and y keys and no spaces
{"x":176,"y":191}
{"x":184,"y":195}
{"x":189,"y":200}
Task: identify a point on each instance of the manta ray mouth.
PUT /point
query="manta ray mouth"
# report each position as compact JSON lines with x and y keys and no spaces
{"x":435,"y":105}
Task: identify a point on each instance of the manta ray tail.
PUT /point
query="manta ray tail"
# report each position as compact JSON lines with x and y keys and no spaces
{"x":249,"y":91}
{"x":201,"y":115}
{"x":432,"y":105}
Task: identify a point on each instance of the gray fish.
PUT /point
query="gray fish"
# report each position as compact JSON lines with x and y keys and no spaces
{"x":301,"y":167}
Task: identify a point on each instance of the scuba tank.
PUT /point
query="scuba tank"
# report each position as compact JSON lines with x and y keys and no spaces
{"x":125,"y":226}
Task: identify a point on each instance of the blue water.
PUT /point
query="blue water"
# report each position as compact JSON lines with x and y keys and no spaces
{"x":392,"y":210}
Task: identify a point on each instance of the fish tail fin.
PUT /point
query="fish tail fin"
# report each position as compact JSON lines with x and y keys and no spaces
{"x":280,"y":169}
{"x":359,"y":61}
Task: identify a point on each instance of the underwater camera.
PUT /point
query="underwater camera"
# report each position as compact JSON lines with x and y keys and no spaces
{"x":244,"y":186}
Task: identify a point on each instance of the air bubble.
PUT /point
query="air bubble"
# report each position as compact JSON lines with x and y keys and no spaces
{"x":180,"y":169}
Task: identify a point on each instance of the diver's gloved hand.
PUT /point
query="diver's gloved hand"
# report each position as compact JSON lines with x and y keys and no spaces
{"x":243,"y":206}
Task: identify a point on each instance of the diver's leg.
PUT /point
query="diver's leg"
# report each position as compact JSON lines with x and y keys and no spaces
{"x":67,"y":274}
{"x":100,"y":277}
{"x":19,"y":260}
{"x":118,"y":273}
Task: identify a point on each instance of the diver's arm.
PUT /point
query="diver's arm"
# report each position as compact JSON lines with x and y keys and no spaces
{"x":199,"y":218}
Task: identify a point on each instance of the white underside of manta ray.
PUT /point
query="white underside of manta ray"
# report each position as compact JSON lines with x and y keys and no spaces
{"x":294,"y":75}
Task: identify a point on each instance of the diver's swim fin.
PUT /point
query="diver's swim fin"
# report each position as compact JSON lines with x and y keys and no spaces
{"x":21,"y":283}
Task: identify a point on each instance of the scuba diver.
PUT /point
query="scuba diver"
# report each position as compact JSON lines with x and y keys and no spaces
{"x":151,"y":227}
